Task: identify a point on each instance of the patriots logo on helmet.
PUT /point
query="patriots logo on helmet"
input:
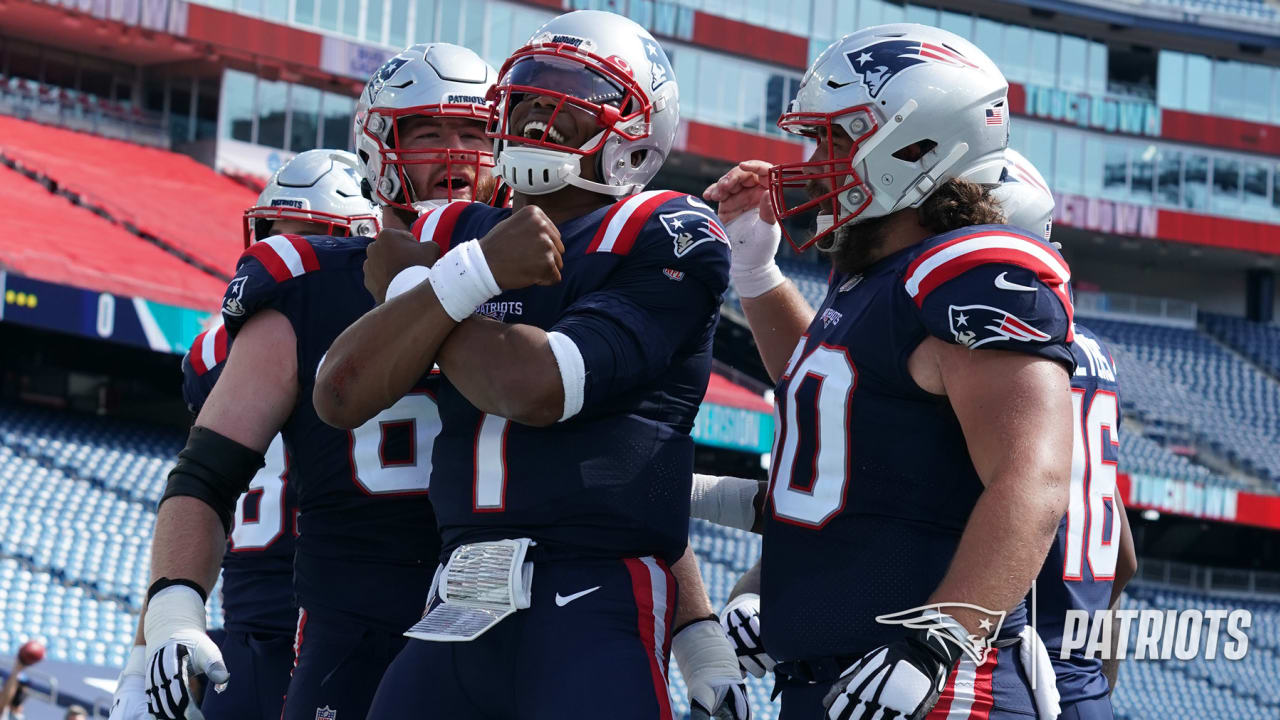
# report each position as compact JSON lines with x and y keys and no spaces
{"x":690,"y":229}
{"x":976,"y":325}
{"x":877,"y":64}
{"x":384,"y":74}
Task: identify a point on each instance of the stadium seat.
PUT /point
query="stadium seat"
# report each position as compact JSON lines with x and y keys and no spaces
{"x":48,"y":238}
{"x":162,"y":193}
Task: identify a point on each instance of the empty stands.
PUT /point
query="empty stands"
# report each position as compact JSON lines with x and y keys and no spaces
{"x":47,"y":237}
{"x":184,"y":204}
{"x":1260,"y":342}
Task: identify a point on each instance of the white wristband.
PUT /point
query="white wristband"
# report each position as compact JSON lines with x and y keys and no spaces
{"x":463,"y":281}
{"x":406,"y":280}
{"x":171,"y":610}
{"x":758,"y":281}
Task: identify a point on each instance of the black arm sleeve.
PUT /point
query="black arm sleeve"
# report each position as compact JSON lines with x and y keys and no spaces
{"x":215,"y":470}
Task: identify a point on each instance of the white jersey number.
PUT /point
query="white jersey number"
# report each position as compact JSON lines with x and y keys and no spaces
{"x":378,"y":474}
{"x":489,"y":491}
{"x":815,"y":497}
{"x":1093,"y":489}
{"x":268,"y":486}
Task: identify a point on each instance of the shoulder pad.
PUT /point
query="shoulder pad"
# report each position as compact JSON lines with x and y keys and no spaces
{"x":439,"y":223}
{"x":993,"y":286}
{"x":673,"y":220}
{"x":261,"y":271}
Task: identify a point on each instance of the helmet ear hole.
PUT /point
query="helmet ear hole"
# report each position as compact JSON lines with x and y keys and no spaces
{"x":915,"y":151}
{"x":638,"y":158}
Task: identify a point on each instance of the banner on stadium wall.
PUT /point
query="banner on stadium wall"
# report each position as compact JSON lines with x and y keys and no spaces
{"x":733,"y":428}
{"x":1105,"y":216}
{"x":1134,"y":117}
{"x":242,"y":159}
{"x":1180,"y":497}
{"x":168,"y":16}
{"x":100,"y":315}
{"x":351,"y":59}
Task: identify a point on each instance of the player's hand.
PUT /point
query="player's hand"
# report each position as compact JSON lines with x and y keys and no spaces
{"x":391,"y":252}
{"x":524,"y":250}
{"x":741,"y":622}
{"x":129,"y":702}
{"x":743,"y":188}
{"x":178,"y":649}
{"x":900,"y":680}
{"x":710,"y":668}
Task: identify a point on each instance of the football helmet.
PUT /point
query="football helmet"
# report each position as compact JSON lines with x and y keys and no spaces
{"x":433,"y":80}
{"x":1025,"y":196}
{"x":601,"y":64}
{"x":318,"y":186}
{"x":920,"y":106}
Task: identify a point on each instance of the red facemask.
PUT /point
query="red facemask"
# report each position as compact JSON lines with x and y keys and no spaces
{"x":456,"y":162}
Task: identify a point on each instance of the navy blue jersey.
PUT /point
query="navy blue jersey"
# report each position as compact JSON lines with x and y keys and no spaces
{"x":1081,"y":565}
{"x":640,"y":297}
{"x":367,"y":543}
{"x":871,"y":482}
{"x":257,"y":569}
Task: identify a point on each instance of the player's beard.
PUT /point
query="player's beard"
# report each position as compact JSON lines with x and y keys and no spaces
{"x":855,"y":247}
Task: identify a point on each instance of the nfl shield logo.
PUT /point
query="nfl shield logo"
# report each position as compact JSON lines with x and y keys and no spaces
{"x":325,"y":713}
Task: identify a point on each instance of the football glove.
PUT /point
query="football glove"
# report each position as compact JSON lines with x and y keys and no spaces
{"x":177,"y":649}
{"x":741,"y":622}
{"x":717,"y":688}
{"x":129,"y":701}
{"x":902,"y":679}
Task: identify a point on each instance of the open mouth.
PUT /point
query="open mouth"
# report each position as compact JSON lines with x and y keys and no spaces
{"x":535,"y":129}
{"x":453,"y":183}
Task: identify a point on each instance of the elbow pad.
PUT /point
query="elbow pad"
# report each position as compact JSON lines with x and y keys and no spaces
{"x":215,"y":470}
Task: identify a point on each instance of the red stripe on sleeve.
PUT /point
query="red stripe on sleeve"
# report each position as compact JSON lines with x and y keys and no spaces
{"x":196,"y":356}
{"x":416,"y":228}
{"x":604,"y":224}
{"x":308,"y":254}
{"x":449,"y":215}
{"x":220,"y":345}
{"x":631,"y":229}
{"x":267,"y":256}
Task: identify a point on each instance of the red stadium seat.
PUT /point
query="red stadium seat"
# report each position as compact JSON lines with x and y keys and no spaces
{"x":171,"y":196}
{"x":48,"y":238}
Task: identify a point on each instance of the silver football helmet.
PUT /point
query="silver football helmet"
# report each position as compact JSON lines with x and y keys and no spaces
{"x":920,"y":105}
{"x":1024,"y":196}
{"x":433,"y":80}
{"x":317,"y":186}
{"x":594,"y":62}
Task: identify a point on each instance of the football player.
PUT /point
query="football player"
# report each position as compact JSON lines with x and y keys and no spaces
{"x":315,"y":193}
{"x":571,"y":381}
{"x":366,"y":545}
{"x":923,"y":453}
{"x":1064,"y":582}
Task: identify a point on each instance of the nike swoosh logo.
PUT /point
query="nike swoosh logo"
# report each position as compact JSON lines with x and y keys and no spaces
{"x":1004,"y":284}
{"x":562,"y":600}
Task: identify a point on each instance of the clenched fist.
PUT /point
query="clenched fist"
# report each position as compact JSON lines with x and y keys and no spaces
{"x":524,"y":250}
{"x":744,"y":188}
{"x":391,"y":252}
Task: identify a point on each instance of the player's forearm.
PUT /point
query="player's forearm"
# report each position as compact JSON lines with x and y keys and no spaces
{"x":748,"y":583}
{"x":504,"y":369}
{"x":376,"y":360}
{"x":1004,"y":543}
{"x":777,"y":318}
{"x":189,"y":542}
{"x":692,"y":602}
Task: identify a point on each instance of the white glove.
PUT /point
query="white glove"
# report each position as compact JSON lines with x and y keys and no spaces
{"x":706,"y":659}
{"x":129,"y":701}
{"x":902,"y":679}
{"x":753,"y":243}
{"x":741,"y":622}
{"x":177,"y":649}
